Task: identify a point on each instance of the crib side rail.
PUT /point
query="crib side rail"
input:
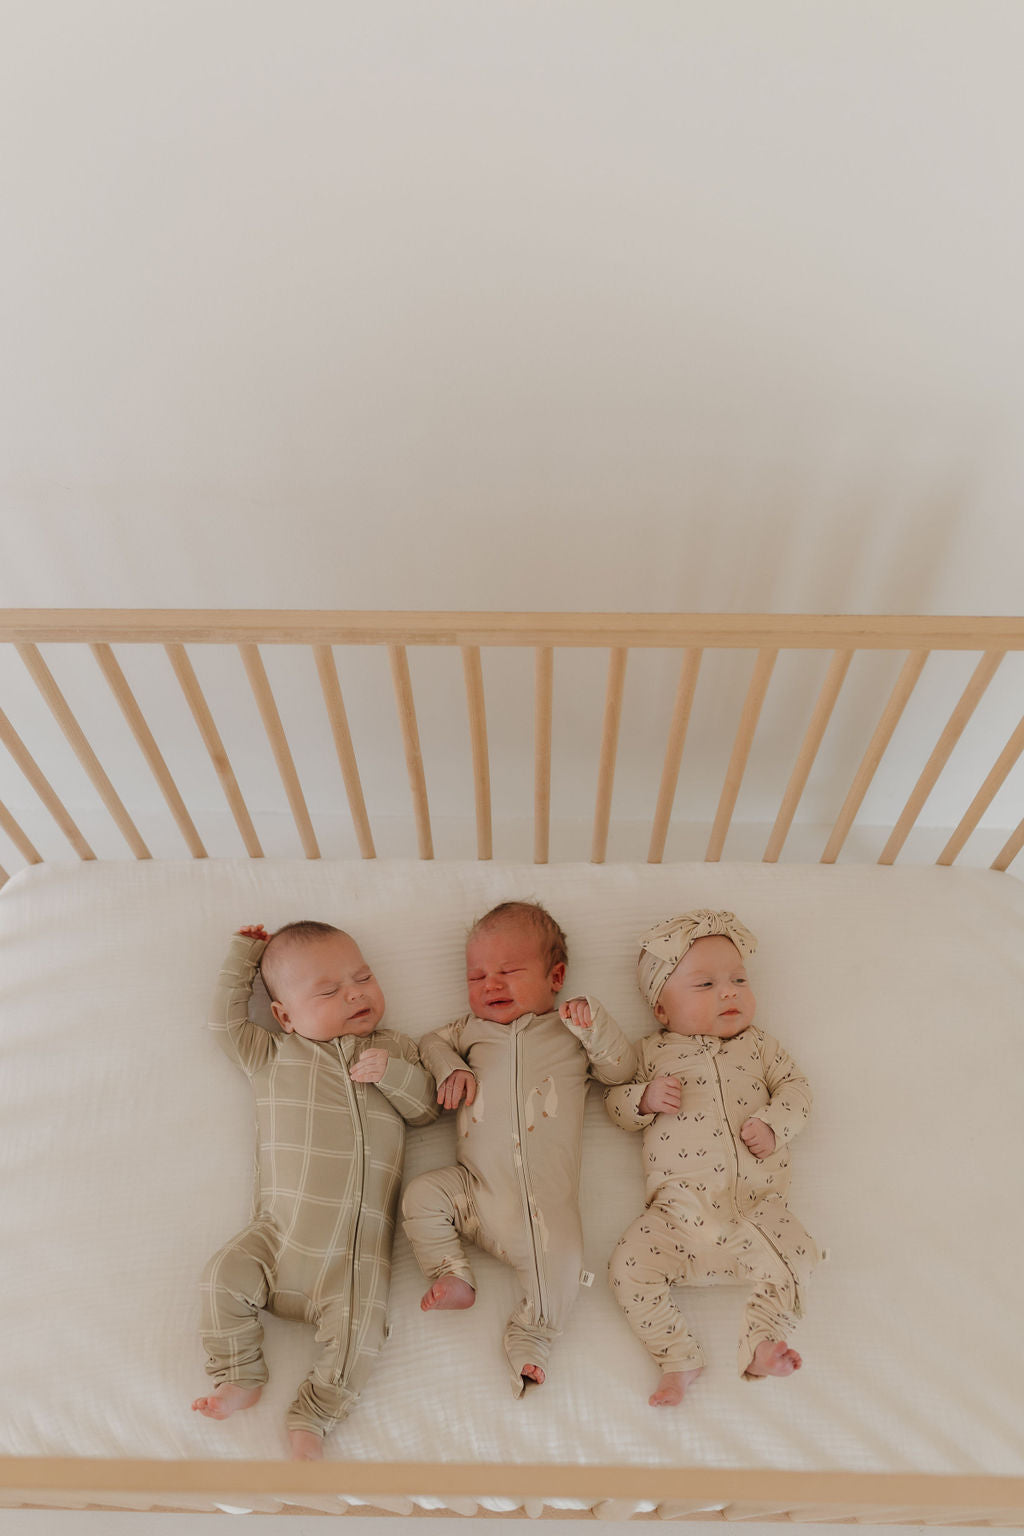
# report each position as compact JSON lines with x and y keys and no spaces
{"x":615,"y":1492}
{"x":692,"y":637}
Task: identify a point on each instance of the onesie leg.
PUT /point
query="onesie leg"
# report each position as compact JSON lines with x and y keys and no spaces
{"x":648,"y":1260}
{"x":436,"y":1207}
{"x":236,"y":1283}
{"x":779,"y":1257}
{"x":349,"y":1347}
{"x":547,"y":1263}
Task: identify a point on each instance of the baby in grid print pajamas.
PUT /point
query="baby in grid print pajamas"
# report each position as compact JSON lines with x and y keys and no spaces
{"x":333,"y":1095}
{"x":718,"y":1101}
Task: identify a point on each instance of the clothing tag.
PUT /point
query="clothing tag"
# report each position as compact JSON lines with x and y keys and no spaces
{"x":586,"y":1277}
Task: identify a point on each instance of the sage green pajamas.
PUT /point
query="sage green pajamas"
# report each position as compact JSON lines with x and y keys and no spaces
{"x":329,"y":1158}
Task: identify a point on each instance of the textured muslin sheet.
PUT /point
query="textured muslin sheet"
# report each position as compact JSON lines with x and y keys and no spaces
{"x":127,"y":1140}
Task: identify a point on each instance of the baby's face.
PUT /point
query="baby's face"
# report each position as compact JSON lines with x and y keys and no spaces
{"x":708,"y":992}
{"x":508,"y":975}
{"x":326,"y":990}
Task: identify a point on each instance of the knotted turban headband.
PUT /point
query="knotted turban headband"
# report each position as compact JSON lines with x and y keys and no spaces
{"x":662,"y":948}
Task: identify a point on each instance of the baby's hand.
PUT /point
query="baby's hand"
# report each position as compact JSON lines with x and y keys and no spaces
{"x":450,"y":1091}
{"x":257,"y":931}
{"x":663,"y":1096}
{"x":757,"y":1137}
{"x":370,"y":1067}
{"x":576,"y":1011}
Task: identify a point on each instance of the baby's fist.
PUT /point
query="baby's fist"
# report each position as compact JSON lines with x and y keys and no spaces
{"x":370,"y":1067}
{"x":451,"y":1089}
{"x":576,"y":1011}
{"x":663,"y":1096}
{"x":757,"y":1137}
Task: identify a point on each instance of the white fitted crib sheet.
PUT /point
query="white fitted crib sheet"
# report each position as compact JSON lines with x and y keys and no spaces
{"x":127,"y":1143}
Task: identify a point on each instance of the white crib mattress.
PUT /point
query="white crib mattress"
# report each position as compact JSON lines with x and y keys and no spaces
{"x":127,"y":1157}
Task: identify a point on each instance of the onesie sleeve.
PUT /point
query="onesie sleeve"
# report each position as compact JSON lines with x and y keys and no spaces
{"x":440,"y":1053}
{"x":623,"y":1102}
{"x":235,"y":1033}
{"x":790,"y":1092}
{"x":406,"y":1085}
{"x":611,"y":1056}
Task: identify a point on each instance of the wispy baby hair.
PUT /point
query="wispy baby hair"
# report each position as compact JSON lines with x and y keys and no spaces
{"x":291,"y":936}
{"x":532,"y":916}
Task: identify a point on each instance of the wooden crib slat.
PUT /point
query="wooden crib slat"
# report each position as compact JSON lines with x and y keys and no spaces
{"x":76,"y":739}
{"x":4,"y":877}
{"x":905,"y":684}
{"x":19,"y":837}
{"x":986,"y":794}
{"x":411,"y":742}
{"x":968,"y":702}
{"x":474,"y":675}
{"x":674,"y":752}
{"x":196,"y":700}
{"x":740,"y":752}
{"x":1010,"y":849}
{"x":544,"y":676}
{"x":834,"y":679}
{"x":259,"y":682}
{"x":336,"y":714}
{"x":617,"y":659}
{"x":129,"y":706}
{"x":39,"y":782}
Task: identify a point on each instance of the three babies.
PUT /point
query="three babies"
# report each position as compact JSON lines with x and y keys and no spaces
{"x":718,"y":1101}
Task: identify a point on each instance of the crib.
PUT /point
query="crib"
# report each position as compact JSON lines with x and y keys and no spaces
{"x":206,"y":769}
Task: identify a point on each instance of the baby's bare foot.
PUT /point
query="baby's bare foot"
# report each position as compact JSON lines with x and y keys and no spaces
{"x":773,"y":1357}
{"x":306,"y":1446}
{"x":532,"y":1373}
{"x":449,"y":1294}
{"x":226,"y":1400}
{"x":673,"y":1388}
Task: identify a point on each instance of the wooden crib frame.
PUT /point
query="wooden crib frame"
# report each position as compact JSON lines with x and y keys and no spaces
{"x":613,"y":1492}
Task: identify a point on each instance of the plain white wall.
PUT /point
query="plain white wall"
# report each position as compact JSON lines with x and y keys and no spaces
{"x":518,"y":305}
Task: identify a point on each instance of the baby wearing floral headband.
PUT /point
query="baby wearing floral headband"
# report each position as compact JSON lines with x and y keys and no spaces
{"x":718,"y":1101}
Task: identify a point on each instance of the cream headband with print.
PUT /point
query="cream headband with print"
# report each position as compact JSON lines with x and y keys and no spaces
{"x":662,"y":948}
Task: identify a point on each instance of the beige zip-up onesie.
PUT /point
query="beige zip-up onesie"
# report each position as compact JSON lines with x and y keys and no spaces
{"x":328,"y":1167}
{"x":515,"y":1191}
{"x":715,"y":1212}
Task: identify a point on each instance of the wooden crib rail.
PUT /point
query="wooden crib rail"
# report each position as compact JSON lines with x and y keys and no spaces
{"x":691,"y":636}
{"x":610,"y":1492}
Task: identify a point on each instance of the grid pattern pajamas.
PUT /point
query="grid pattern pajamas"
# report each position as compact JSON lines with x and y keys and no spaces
{"x":329,"y":1165}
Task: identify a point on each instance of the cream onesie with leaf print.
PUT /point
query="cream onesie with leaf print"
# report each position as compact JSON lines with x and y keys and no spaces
{"x":715,"y":1212}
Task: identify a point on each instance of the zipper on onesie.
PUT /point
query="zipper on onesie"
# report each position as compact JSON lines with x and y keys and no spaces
{"x":524,"y":1180}
{"x":359,"y":1138}
{"x":713,"y":1058}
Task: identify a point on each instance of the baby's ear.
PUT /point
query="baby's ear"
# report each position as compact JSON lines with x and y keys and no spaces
{"x":282,"y":1018}
{"x":659,"y":1012}
{"x":558,"y":976}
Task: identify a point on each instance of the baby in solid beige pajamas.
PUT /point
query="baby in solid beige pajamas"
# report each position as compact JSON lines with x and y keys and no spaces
{"x":718,"y":1101}
{"x":333,"y":1093}
{"x":522,"y":1067}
